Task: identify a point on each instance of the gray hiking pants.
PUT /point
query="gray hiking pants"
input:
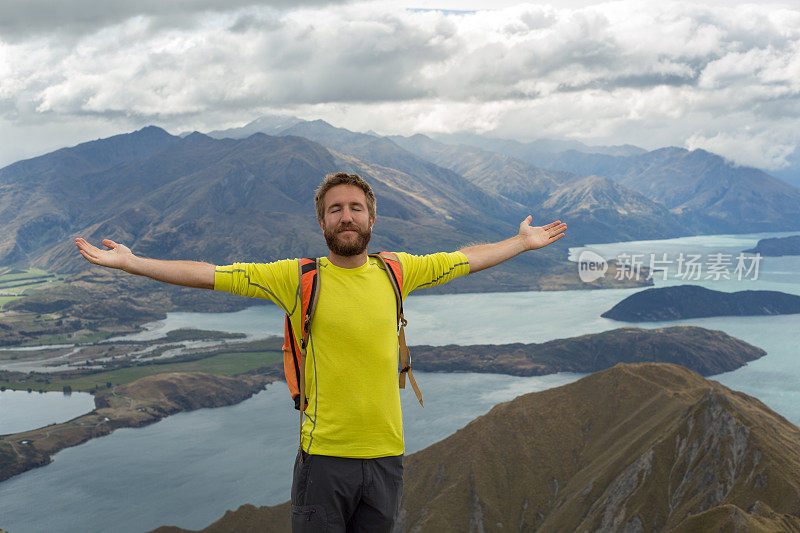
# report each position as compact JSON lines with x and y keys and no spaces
{"x":338,"y":494}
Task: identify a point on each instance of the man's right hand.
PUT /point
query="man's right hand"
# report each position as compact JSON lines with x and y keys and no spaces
{"x":119,"y":255}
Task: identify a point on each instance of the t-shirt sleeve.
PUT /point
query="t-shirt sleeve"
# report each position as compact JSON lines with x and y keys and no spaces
{"x":276,"y":281}
{"x":420,"y":271}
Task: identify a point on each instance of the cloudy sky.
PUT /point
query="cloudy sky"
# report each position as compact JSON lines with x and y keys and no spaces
{"x":724,"y":76}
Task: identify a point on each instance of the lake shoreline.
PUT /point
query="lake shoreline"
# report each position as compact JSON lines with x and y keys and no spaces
{"x":152,"y":398}
{"x":137,"y":404}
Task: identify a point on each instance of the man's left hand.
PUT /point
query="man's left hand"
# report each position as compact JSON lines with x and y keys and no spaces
{"x":536,"y":237}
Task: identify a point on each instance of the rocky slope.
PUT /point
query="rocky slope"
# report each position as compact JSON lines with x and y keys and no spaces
{"x":693,"y":301}
{"x":642,"y":447}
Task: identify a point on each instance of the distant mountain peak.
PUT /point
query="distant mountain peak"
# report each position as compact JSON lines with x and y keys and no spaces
{"x":147,"y":134}
{"x":320,"y":122}
{"x":196,"y":136}
{"x":601,"y":180}
{"x":270,"y":119}
{"x":151,"y":129}
{"x":269,"y":124}
{"x":699,"y":154}
{"x":670,"y":150}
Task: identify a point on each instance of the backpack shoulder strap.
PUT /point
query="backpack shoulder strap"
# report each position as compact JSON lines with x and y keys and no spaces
{"x":308,"y":285}
{"x":309,"y":292}
{"x":294,"y":355}
{"x":394,"y":269}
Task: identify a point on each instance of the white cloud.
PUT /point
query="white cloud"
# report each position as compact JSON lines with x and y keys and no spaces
{"x":764,"y":149}
{"x":645,"y":72}
{"x":34,"y":17}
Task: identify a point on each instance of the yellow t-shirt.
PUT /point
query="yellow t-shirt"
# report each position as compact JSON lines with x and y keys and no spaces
{"x":351,"y":360}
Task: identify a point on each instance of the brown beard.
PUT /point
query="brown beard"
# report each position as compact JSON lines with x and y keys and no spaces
{"x":347,"y":249}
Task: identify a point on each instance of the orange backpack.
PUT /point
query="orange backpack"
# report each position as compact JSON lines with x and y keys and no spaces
{"x":294,"y":356}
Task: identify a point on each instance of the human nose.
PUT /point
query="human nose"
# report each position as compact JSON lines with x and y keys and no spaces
{"x":347,"y":215}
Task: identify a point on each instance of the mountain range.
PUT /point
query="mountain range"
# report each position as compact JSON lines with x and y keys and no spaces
{"x":193,"y":196}
{"x":637,"y":447}
{"x":709,"y":193}
{"x":630,"y":193}
{"x":545,"y":151}
{"x":219,"y":200}
{"x":596,"y":207}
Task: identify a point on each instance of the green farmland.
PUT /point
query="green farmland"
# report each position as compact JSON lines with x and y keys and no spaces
{"x":226,"y":364}
{"x":14,"y":283}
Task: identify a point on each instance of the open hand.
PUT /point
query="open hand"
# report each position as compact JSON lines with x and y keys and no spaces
{"x":540,"y":236}
{"x":117,"y":257}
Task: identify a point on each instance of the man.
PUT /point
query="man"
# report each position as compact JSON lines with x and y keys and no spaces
{"x":348,"y":473}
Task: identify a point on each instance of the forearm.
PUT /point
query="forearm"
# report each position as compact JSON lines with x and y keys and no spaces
{"x":187,"y":273}
{"x":484,"y":256}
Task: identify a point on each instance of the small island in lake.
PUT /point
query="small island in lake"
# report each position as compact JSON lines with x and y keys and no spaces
{"x":777,"y":246}
{"x":704,"y":351}
{"x":693,"y":301}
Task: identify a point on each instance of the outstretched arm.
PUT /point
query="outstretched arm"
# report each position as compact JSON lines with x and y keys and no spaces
{"x":187,"y":273}
{"x":529,"y":238}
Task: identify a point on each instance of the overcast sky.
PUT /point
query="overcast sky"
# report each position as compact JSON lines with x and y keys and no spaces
{"x":723,"y":76}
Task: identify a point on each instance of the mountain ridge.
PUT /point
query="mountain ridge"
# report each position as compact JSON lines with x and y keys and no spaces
{"x":637,"y":447}
{"x":261,"y":177}
{"x":706,"y":192}
{"x":696,"y":191}
{"x":598,"y":208}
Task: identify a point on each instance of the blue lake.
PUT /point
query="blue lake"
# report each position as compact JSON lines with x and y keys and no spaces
{"x":188,"y":469}
{"x":22,"y":410}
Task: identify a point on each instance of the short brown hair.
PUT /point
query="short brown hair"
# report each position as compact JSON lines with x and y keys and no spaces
{"x":342,"y":178}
